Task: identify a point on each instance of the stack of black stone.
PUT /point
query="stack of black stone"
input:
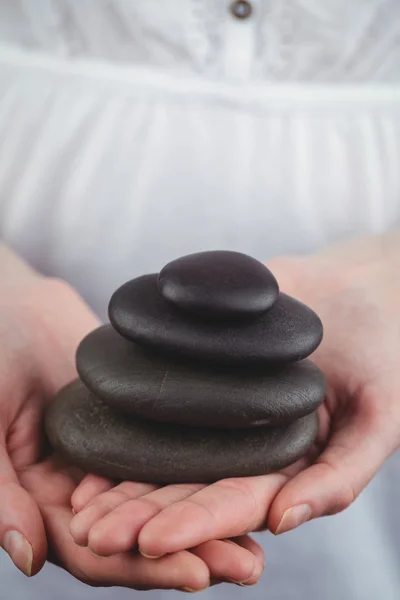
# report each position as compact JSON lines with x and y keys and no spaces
{"x":202,"y":374}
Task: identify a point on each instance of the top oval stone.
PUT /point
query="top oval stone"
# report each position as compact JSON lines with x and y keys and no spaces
{"x":219,"y":284}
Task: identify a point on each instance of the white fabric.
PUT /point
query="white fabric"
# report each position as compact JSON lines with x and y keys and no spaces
{"x":134,"y":132}
{"x":287,"y":40}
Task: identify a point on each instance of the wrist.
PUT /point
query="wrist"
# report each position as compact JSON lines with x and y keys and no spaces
{"x":51,"y":315}
{"x":47,"y":316}
{"x":16,"y":275}
{"x":58,"y":319}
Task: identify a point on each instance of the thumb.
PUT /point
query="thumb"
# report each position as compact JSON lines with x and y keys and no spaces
{"x":354,"y":454}
{"x":22,"y":533}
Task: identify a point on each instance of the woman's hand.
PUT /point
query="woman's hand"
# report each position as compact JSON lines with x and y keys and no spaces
{"x":41,"y":323}
{"x":355,"y":288}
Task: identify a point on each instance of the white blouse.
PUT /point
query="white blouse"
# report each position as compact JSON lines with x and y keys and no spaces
{"x":132,"y":132}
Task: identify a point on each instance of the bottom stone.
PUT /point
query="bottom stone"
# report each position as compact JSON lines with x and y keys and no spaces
{"x":91,"y":435}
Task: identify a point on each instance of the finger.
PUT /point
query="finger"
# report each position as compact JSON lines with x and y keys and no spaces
{"x":225,"y":509}
{"x":90,"y":487}
{"x":251,"y":545}
{"x":103,"y":504}
{"x":179,"y":571}
{"x":118,"y":530}
{"x":354,"y":454}
{"x":22,"y":533}
{"x":240,"y":561}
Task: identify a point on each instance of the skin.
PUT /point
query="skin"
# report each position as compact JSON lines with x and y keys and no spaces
{"x":355,"y":289}
{"x":41,"y":323}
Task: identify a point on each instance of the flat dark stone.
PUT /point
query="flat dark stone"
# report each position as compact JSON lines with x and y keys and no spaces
{"x":287,"y":332}
{"x":219,"y":284}
{"x":165,"y":389}
{"x":94,"y":437}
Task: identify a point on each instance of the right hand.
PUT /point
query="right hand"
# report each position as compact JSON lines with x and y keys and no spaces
{"x":41,"y":324}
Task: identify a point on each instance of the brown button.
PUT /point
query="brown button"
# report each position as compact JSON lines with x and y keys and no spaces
{"x":241,"y":9}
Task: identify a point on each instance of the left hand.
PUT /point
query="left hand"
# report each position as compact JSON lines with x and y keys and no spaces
{"x":355,"y":289}
{"x":41,"y":323}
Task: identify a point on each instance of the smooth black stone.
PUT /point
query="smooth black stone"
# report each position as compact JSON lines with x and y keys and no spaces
{"x":219,"y":284}
{"x":164,"y":389}
{"x":287,"y":332}
{"x":94,"y":437}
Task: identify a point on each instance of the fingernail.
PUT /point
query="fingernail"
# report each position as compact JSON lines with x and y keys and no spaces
{"x":293,"y":517}
{"x":149,"y":555}
{"x":95,"y":553}
{"x":19,"y":550}
{"x":191,"y":591}
{"x":73,"y":511}
{"x":245,"y":583}
{"x":254,"y":577}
